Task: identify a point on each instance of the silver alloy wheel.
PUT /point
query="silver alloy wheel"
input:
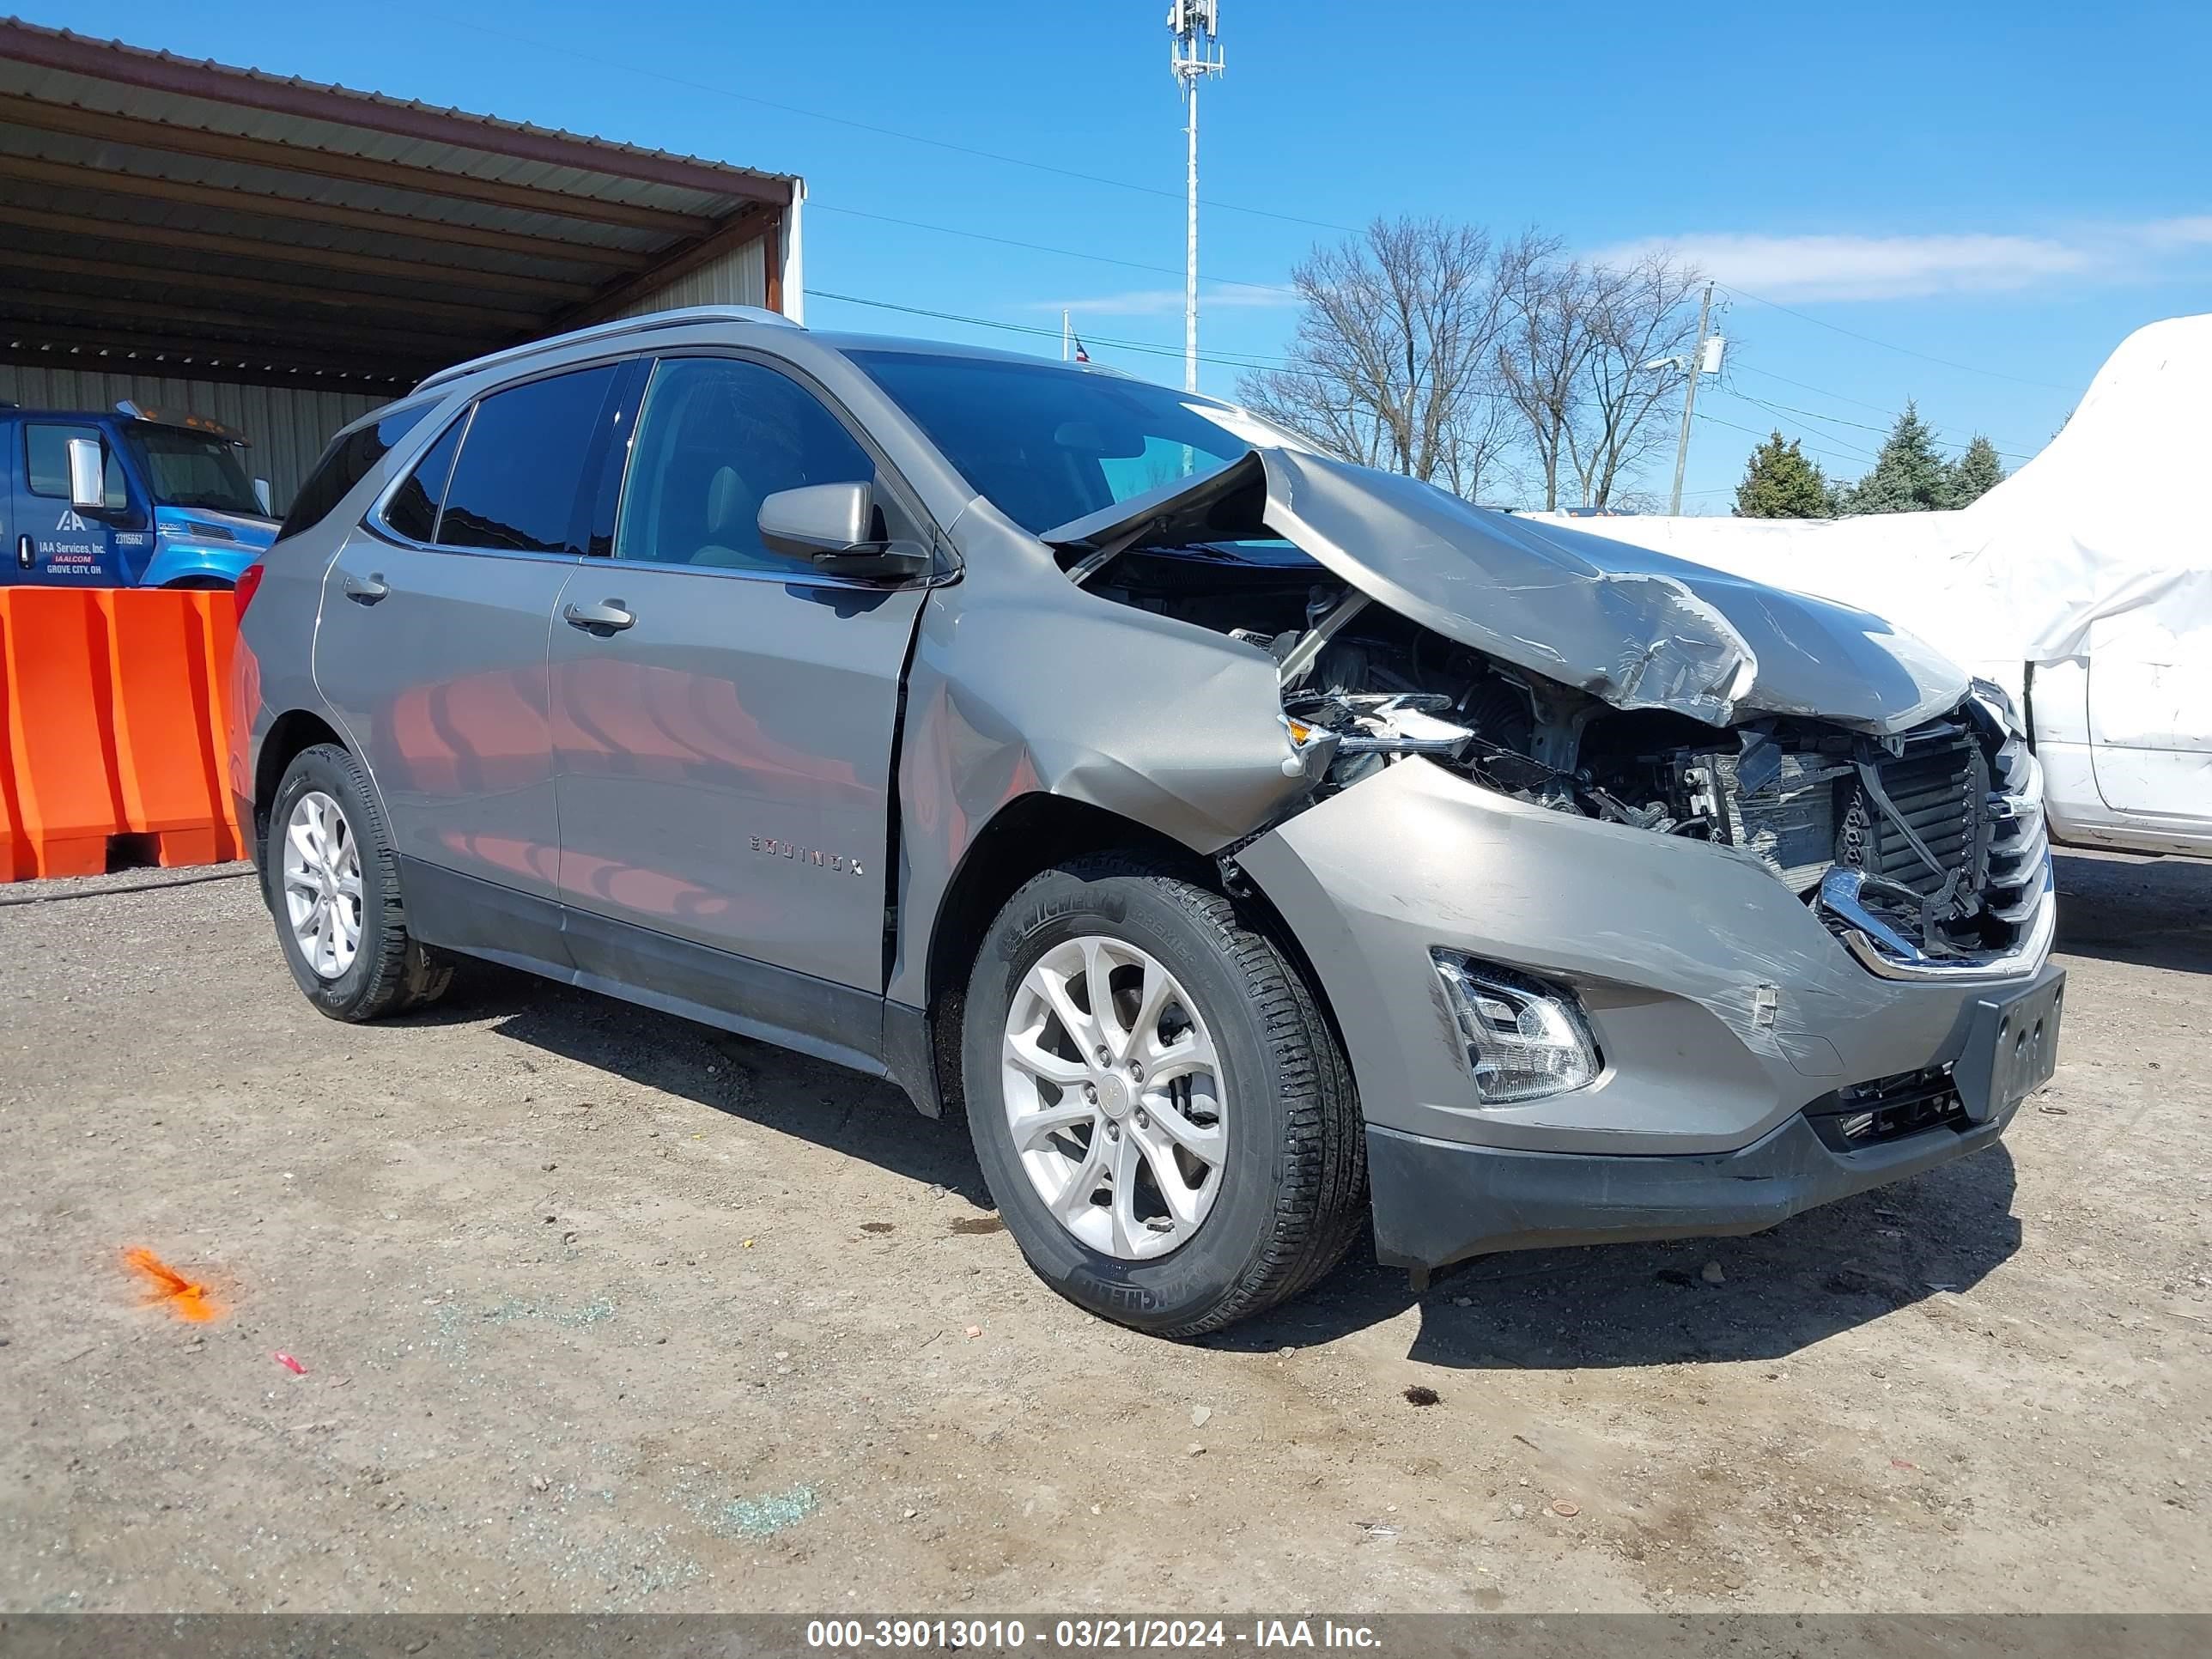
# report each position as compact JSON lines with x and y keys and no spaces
{"x":322,"y":884}
{"x":1114,"y":1093}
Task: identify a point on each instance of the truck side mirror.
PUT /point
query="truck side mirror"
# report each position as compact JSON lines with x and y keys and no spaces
{"x":261,"y":495}
{"x":87,"y":476}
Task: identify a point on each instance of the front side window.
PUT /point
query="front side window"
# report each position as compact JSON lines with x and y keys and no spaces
{"x":1045,"y":444}
{"x":192,"y":469}
{"x":46,"y":458}
{"x":515,"y":483}
{"x":715,"y":438}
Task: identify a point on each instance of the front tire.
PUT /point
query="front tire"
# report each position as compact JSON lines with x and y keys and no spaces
{"x":1195,"y":1155}
{"x":331,"y":878}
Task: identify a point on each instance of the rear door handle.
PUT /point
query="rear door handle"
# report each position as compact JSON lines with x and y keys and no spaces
{"x":366,"y":590}
{"x":609,"y":618}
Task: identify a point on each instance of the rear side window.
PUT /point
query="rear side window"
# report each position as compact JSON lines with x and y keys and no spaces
{"x":346,"y":464}
{"x":516,"y":482}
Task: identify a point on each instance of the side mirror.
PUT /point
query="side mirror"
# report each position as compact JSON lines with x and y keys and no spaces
{"x":836,"y":528}
{"x":87,"y":476}
{"x":261,"y":495}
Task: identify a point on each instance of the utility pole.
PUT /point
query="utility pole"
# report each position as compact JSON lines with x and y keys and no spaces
{"x":1194,"y":53}
{"x":1697,"y":366}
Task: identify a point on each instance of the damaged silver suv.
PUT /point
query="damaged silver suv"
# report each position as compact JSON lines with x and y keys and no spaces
{"x":1245,"y":841}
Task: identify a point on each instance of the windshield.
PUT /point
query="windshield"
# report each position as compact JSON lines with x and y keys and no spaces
{"x":1045,"y":444}
{"x":191,"y":468}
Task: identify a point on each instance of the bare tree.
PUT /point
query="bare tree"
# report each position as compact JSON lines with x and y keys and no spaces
{"x":1392,"y":365}
{"x":1430,"y":348}
{"x":1634,"y":316}
{"x":1541,"y":352}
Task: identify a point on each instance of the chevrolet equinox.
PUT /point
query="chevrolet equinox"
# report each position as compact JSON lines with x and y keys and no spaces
{"x":1247,"y":842}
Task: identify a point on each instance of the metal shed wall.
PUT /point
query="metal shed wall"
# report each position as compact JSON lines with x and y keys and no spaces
{"x":288,"y":426}
{"x":739,"y":278}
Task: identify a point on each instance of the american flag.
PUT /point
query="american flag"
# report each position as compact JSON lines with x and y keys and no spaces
{"x":1081,"y":355}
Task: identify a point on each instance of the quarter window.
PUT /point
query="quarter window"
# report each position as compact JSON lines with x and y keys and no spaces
{"x":514,"y":486}
{"x":413,"y":508}
{"x":715,"y":438}
{"x":346,"y":464}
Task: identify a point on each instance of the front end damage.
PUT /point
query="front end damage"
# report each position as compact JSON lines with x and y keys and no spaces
{"x":1650,"y":901}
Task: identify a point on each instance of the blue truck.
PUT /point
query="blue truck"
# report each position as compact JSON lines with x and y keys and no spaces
{"x":129,"y":498}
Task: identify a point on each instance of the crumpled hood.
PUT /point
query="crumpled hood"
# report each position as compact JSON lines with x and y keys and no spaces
{"x":1633,"y":627}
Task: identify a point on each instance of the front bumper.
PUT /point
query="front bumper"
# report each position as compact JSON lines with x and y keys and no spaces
{"x":1436,"y":1201}
{"x":1721,"y":1006}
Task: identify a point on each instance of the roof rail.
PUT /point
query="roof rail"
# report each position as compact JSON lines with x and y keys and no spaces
{"x":652,"y":320}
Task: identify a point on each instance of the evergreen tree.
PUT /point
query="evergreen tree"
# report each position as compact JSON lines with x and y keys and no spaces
{"x":1909,"y":475}
{"x":1779,"y":483}
{"x":1976,"y":472}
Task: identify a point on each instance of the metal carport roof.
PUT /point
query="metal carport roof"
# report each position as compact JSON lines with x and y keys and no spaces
{"x":170,"y":216}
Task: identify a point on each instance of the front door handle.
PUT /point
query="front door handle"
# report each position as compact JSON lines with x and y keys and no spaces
{"x":26,"y":554}
{"x":608,"y":618}
{"x":366,"y":590}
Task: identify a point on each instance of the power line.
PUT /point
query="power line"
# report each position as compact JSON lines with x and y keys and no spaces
{"x":1149,"y":348}
{"x":1846,"y":454}
{"x":1888,"y":345}
{"x":1039,"y":247}
{"x":599,"y":61}
{"x":1715,"y":420}
{"x":1802,"y":386}
{"x":1837,"y":420}
{"x":1284,"y":366}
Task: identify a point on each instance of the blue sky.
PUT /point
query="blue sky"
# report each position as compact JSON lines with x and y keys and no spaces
{"x":2008,"y":188}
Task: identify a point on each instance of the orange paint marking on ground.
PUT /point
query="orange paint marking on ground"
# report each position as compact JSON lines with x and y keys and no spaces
{"x":190,"y":1301}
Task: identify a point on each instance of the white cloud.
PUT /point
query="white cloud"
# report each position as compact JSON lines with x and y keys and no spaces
{"x":1162,"y":302}
{"x":1854,"y":267}
{"x":2194,"y":232}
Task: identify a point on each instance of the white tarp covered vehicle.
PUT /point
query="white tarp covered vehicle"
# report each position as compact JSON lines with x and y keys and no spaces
{"x":2083,"y":585}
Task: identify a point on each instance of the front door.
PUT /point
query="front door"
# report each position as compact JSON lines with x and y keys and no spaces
{"x":432,"y":642}
{"x":50,"y":543}
{"x":723,"y":715}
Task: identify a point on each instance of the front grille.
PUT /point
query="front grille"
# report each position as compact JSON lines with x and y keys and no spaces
{"x":1939,"y":787}
{"x":1888,"y":1109}
{"x":1936,"y":836}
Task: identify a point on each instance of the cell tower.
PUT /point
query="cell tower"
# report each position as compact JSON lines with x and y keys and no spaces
{"x":1195,"y":54}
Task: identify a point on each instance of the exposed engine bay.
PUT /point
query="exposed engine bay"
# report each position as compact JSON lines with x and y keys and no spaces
{"x":1910,"y":814}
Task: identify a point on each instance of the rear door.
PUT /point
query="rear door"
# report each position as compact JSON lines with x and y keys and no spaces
{"x":52,"y":543}
{"x":724,"y":756}
{"x":432,"y":641}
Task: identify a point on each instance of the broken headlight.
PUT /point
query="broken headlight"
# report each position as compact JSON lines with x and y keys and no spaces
{"x":1522,"y":1038}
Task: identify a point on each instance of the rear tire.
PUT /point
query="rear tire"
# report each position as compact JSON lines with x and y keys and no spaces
{"x":1277,"y":1106}
{"x":331,"y":879}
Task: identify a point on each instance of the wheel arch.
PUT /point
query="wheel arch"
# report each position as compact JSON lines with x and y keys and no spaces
{"x":289,"y":734}
{"x":1030,"y":835}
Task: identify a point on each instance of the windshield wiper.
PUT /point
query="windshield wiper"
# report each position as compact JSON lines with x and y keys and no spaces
{"x":1096,"y":561}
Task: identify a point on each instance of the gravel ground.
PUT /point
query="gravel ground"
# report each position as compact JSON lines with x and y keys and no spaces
{"x":601,"y":1309}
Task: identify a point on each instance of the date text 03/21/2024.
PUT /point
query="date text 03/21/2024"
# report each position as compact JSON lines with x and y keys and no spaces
{"x":1091,"y":1634}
